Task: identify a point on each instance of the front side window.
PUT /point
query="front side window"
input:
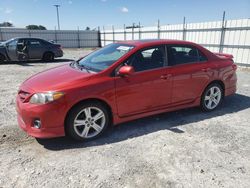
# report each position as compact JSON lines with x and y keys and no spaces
{"x":150,"y":58}
{"x":105,"y":57}
{"x":178,"y":55}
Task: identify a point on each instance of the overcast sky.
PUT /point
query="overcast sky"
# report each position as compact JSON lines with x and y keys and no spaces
{"x":94,"y":13}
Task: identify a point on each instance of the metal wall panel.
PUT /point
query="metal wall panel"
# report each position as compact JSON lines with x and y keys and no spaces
{"x":230,"y":36}
{"x":67,"y":38}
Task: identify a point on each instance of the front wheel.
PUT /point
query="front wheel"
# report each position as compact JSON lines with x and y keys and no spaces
{"x":211,"y":97}
{"x":87,"y":121}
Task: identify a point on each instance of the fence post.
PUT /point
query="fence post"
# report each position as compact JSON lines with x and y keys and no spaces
{"x":1,"y":34}
{"x":78,"y":37}
{"x":158,"y":29}
{"x":184,"y":29}
{"x":29,"y":33}
{"x":222,"y":36}
{"x":104,"y":36}
{"x":125,"y":35}
{"x":139,"y":30}
{"x":99,"y":37}
{"x":133,"y":27}
{"x":113,"y":31}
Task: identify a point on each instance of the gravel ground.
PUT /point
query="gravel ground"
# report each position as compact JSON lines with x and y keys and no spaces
{"x":187,"y":148}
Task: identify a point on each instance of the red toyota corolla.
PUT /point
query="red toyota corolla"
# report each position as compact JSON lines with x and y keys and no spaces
{"x":121,"y":82}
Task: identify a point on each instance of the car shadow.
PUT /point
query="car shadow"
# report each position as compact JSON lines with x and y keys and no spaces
{"x":33,"y":62}
{"x":171,"y":121}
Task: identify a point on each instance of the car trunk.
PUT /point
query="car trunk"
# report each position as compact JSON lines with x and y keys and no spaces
{"x":229,"y":57}
{"x":224,"y":56}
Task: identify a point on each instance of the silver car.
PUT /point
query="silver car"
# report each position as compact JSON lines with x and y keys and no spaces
{"x":23,"y":49}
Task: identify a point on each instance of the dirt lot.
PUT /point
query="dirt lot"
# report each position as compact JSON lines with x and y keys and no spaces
{"x":186,"y":148}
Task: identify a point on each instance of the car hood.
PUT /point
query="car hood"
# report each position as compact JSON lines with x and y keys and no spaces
{"x":55,"y":79}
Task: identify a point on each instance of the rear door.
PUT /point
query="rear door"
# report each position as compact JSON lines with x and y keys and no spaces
{"x":190,"y":72}
{"x":148,"y":88}
{"x":35,"y":49}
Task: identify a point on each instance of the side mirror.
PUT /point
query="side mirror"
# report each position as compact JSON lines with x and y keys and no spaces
{"x":126,"y":71}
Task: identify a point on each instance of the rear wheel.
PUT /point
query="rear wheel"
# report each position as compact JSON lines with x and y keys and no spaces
{"x":87,"y":121}
{"x":211,"y":97}
{"x":2,"y":58}
{"x":48,"y":56}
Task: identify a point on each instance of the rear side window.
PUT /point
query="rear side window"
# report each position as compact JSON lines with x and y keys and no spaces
{"x":44,"y":42}
{"x":178,"y":55}
{"x":33,"y":42}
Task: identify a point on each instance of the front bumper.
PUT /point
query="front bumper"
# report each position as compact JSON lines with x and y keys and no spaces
{"x":51,"y":116}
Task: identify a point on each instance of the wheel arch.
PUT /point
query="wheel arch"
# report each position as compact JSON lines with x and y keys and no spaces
{"x":4,"y":55}
{"x":220,"y":82}
{"x":48,"y":51}
{"x":88,"y":101}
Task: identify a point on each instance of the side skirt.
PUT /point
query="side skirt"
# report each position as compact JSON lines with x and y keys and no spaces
{"x":117,"y":119}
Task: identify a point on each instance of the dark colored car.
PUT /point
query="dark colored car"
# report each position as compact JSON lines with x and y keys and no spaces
{"x":23,"y":49}
{"x":122,"y":82}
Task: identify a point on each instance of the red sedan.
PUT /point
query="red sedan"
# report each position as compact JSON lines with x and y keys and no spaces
{"x":122,"y":82}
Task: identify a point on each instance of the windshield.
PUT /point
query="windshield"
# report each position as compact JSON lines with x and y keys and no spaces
{"x":8,"y":41}
{"x":105,"y":57}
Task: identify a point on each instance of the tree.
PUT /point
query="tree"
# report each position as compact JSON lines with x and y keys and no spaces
{"x":41,"y":27}
{"x":87,"y":29}
{"x":6,"y":24}
{"x":36,"y":27}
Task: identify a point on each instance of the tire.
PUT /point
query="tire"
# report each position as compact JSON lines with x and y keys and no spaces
{"x":80,"y":124}
{"x":48,"y":56}
{"x":2,"y":58}
{"x":212,"y":97}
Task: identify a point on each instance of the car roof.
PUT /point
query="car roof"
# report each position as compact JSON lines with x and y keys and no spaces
{"x":149,"y":42}
{"x":154,"y":42}
{"x":27,"y":38}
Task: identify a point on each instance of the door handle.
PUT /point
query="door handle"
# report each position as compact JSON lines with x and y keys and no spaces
{"x":205,"y":69}
{"x":163,"y":77}
{"x":166,"y":76}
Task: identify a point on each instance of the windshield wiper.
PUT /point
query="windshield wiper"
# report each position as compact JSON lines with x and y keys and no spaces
{"x":86,"y":68}
{"x":81,"y":66}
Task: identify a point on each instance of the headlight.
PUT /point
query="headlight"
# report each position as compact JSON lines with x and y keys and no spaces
{"x":43,"y":98}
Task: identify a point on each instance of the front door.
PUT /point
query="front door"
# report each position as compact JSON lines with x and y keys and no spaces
{"x":149,"y":88}
{"x":11,"y":48}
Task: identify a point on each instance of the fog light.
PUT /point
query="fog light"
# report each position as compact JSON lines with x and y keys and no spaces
{"x":37,"y":124}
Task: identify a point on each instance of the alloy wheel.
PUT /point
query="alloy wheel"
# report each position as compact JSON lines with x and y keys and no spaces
{"x":212,"y":97}
{"x":89,"y":122}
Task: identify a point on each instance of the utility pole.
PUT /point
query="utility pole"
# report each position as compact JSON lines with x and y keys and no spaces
{"x":222,"y":36}
{"x":57,"y":12}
